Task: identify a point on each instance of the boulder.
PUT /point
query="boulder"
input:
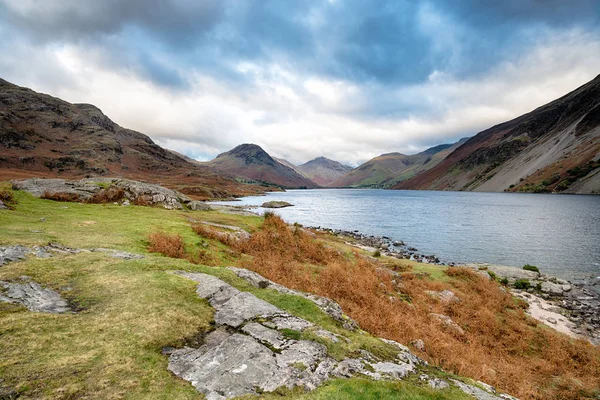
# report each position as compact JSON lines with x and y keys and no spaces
{"x":445,"y":296}
{"x":85,"y":189}
{"x":276,"y":204}
{"x":552,"y":288}
{"x":196,"y":205}
{"x":447,"y":321}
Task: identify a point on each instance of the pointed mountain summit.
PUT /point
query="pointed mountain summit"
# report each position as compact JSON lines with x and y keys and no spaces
{"x":554,"y":148}
{"x":251,"y":162}
{"x":323,"y":171}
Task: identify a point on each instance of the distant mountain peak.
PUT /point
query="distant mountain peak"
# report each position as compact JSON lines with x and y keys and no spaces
{"x":250,"y":161}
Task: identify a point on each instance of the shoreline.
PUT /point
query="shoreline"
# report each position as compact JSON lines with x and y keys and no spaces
{"x":572,"y":308}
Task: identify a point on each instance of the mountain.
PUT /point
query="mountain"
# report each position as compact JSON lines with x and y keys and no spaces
{"x":41,"y":135}
{"x":389,"y":169}
{"x":323,"y":171}
{"x":554,"y":148}
{"x":251,"y":162}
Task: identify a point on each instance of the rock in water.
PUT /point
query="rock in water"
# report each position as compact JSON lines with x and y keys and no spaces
{"x":276,"y":204}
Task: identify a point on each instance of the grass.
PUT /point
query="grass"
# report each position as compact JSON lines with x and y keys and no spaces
{"x":364,"y":389}
{"x":131,"y":309}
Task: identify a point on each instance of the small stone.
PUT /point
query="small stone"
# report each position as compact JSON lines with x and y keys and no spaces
{"x":418,"y":344}
{"x":438,"y":384}
{"x":125,"y":203}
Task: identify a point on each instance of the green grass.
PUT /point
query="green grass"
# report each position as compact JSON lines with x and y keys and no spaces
{"x":364,"y":389}
{"x":129,"y":310}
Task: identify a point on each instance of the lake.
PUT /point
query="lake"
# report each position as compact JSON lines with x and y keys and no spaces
{"x":558,"y":233}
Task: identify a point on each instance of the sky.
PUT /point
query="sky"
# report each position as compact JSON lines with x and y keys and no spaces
{"x":344,"y":79}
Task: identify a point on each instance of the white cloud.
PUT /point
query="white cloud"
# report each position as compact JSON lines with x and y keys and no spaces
{"x":301,"y":117}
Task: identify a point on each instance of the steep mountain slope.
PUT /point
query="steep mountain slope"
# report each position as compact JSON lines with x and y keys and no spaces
{"x":323,"y":171}
{"x":251,"y":162}
{"x":389,"y":169}
{"x":41,"y":135}
{"x":556,"y":147}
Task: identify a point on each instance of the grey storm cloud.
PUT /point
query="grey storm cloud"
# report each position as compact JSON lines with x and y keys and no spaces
{"x":391,"y":73}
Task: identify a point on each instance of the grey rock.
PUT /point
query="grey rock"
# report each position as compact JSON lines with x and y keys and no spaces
{"x":237,"y":366}
{"x":119,"y":254}
{"x":33,"y":296}
{"x":264,"y":335}
{"x":438,"y":384}
{"x":418,"y":344}
{"x":405,"y":354}
{"x":3,"y":206}
{"x":236,"y":233}
{"x":478,"y":393}
{"x":304,"y":352}
{"x":126,"y":203}
{"x":134,"y":191}
{"x":511,"y":273}
{"x":276,"y":204}
{"x":196,"y":205}
{"x":13,"y":253}
{"x":394,"y":370}
{"x":286,"y":321}
{"x":332,"y":337}
{"x":445,"y":296}
{"x":330,"y":307}
{"x":243,"y":307}
{"x":447,"y":321}
{"x":552,"y":288}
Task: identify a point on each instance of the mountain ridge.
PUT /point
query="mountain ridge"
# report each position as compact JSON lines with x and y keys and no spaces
{"x":553,"y":148}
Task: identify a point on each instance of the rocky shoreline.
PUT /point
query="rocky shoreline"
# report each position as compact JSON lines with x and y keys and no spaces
{"x":569,"y":307}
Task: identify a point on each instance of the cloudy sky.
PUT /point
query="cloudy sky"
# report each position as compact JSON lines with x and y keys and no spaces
{"x":347,"y":79}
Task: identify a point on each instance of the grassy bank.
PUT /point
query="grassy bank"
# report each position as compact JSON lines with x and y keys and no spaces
{"x":128,"y":311}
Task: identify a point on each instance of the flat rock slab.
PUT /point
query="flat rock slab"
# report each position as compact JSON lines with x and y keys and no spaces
{"x":247,"y":354}
{"x":242,"y":307}
{"x":33,"y":296}
{"x":480,"y":394}
{"x":13,"y":253}
{"x":330,"y":307}
{"x":119,"y":254}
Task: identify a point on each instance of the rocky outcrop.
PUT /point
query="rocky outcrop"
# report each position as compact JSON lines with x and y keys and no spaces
{"x":33,"y":296}
{"x":328,"y":306}
{"x":571,"y":308}
{"x":196,"y":205}
{"x":17,"y":252}
{"x":276,"y":204}
{"x":248,"y":351}
{"x":85,"y":190}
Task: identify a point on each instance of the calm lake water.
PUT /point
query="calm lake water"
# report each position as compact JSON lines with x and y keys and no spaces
{"x":558,"y":233}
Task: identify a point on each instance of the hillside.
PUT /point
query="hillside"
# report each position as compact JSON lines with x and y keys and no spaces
{"x":41,"y":135}
{"x":554,"y":148}
{"x":251,"y":162}
{"x":389,"y":169}
{"x":323,"y":171}
{"x":156,"y":296}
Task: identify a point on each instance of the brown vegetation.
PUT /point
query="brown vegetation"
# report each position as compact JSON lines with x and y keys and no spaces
{"x":60,"y":196}
{"x":500,"y":344}
{"x":168,"y":245}
{"x":6,"y":195}
{"x":109,"y":194}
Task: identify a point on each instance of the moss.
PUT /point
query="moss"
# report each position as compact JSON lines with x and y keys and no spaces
{"x":529,"y":267}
